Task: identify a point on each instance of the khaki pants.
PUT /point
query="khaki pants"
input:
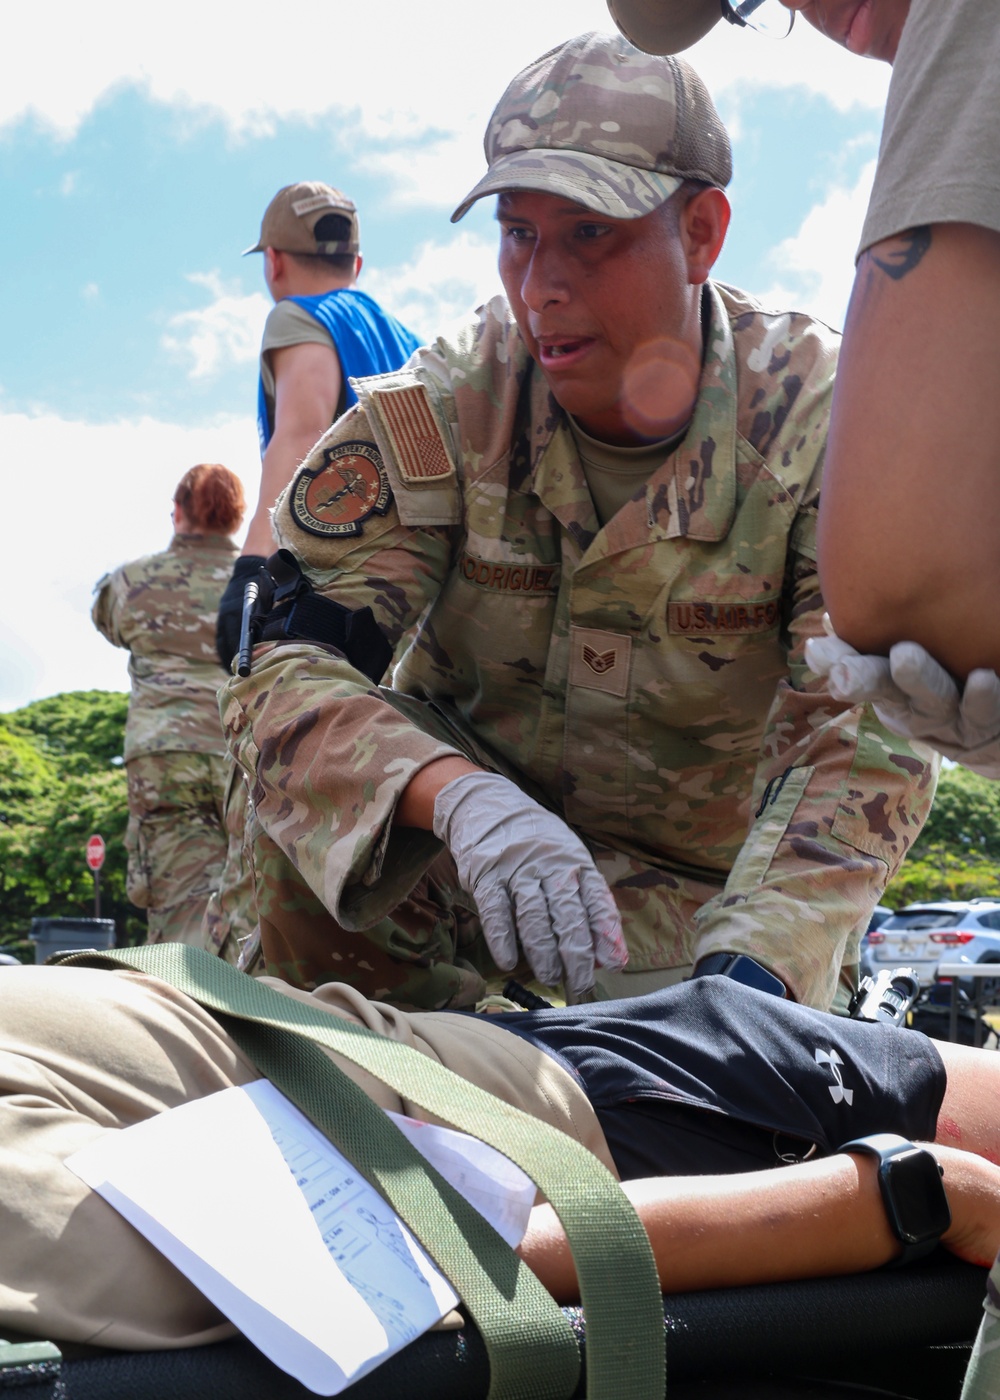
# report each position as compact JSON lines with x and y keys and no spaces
{"x":83,"y":1051}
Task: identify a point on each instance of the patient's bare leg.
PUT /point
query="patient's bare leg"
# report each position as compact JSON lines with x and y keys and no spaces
{"x":970,"y":1113}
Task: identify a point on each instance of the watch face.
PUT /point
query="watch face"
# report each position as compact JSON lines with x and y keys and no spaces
{"x":916,"y":1198}
{"x":750,"y":972}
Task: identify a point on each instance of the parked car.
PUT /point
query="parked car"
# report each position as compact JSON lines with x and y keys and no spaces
{"x":880,"y":913}
{"x":922,"y":935}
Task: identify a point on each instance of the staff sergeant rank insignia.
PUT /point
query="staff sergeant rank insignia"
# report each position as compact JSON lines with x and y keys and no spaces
{"x":339,"y":496}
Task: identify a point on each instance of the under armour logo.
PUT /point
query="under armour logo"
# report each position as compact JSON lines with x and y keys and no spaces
{"x":599,"y":661}
{"x":833,"y":1062}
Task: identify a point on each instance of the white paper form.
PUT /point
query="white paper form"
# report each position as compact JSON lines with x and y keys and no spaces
{"x":298,"y":1251}
{"x":314,"y":1268}
{"x":491,"y":1182}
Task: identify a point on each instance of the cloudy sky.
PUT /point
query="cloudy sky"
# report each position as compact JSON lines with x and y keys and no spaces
{"x":138,"y":148}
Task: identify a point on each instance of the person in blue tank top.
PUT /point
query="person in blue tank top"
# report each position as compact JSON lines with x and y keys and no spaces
{"x":321,"y":332}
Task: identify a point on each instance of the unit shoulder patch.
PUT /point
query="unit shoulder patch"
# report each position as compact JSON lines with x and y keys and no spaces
{"x":338,"y":496}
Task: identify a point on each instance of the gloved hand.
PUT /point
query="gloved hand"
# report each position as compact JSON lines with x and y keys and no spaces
{"x":533,"y":880}
{"x":227,"y":625}
{"x":915,"y":697}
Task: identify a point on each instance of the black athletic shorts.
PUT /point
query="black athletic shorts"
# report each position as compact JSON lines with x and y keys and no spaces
{"x":714,"y":1076}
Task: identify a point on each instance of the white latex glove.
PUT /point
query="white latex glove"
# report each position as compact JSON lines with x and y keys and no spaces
{"x":533,"y":880}
{"x":915,"y":697}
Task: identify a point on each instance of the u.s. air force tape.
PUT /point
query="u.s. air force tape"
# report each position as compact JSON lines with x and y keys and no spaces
{"x":337,"y":497}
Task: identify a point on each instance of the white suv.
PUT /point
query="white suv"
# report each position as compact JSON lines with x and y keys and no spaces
{"x":922,"y":935}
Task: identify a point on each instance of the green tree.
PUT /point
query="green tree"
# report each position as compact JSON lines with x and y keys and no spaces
{"x":27,"y":781}
{"x":82,"y":731}
{"x":82,"y":805}
{"x":25,"y":774}
{"x":965,"y":817}
{"x":957,"y":855}
{"x":62,"y":779}
{"x":944,"y":876}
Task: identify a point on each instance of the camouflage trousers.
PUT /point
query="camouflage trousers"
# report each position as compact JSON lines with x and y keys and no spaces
{"x":427,"y":955}
{"x":231,"y":914}
{"x":176,"y":841}
{"x":410,"y":936}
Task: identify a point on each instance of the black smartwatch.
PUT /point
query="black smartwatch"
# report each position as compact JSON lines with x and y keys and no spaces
{"x":913,"y":1193}
{"x":741,"y":969}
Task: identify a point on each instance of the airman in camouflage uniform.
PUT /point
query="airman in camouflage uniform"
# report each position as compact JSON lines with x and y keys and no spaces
{"x":162,"y":608}
{"x":641,"y":674}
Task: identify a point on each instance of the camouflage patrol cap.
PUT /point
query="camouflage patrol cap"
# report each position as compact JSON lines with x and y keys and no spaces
{"x":665,"y":26}
{"x":290,"y":221}
{"x":606,"y":126}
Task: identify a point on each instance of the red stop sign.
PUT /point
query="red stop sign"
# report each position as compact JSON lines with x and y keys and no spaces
{"x":95,"y":852}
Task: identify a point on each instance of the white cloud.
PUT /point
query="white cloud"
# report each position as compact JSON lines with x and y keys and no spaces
{"x":735,"y":63}
{"x":396,"y":66}
{"x":401,"y":71}
{"x":438,"y":171}
{"x":85,"y":498}
{"x":813,"y":269}
{"x":225,"y":332}
{"x":440,"y":283}
{"x":90,"y":291}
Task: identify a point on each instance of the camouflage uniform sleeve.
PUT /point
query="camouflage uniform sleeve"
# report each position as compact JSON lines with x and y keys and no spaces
{"x":104,"y":611}
{"x":837,"y":802}
{"x":326,"y":755}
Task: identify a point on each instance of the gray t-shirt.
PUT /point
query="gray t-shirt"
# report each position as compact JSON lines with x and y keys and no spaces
{"x":287,"y":324}
{"x":615,"y":474}
{"x":939,"y":161}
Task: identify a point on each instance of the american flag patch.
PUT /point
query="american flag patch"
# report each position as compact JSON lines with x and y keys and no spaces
{"x":419,"y":451}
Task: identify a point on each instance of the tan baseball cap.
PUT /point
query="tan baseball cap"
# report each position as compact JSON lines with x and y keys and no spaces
{"x":606,"y":126}
{"x":668,"y":26}
{"x":665,"y":26}
{"x":290,"y":220}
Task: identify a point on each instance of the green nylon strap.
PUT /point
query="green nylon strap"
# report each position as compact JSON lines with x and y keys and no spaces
{"x":618,"y":1283}
{"x":531,"y":1347}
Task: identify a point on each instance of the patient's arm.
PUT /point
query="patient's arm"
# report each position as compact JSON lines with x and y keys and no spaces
{"x":911,"y":483}
{"x":817,"y":1218}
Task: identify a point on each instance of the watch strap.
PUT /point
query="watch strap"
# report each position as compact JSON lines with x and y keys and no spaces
{"x":740,"y":967}
{"x":715,"y":965}
{"x":884,"y":1147}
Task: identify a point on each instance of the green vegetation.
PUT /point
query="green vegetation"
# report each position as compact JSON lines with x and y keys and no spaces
{"x":957,"y":855}
{"x":61,"y":780}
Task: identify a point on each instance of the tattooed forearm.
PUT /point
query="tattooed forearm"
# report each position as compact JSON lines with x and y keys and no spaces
{"x":901,"y":254}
